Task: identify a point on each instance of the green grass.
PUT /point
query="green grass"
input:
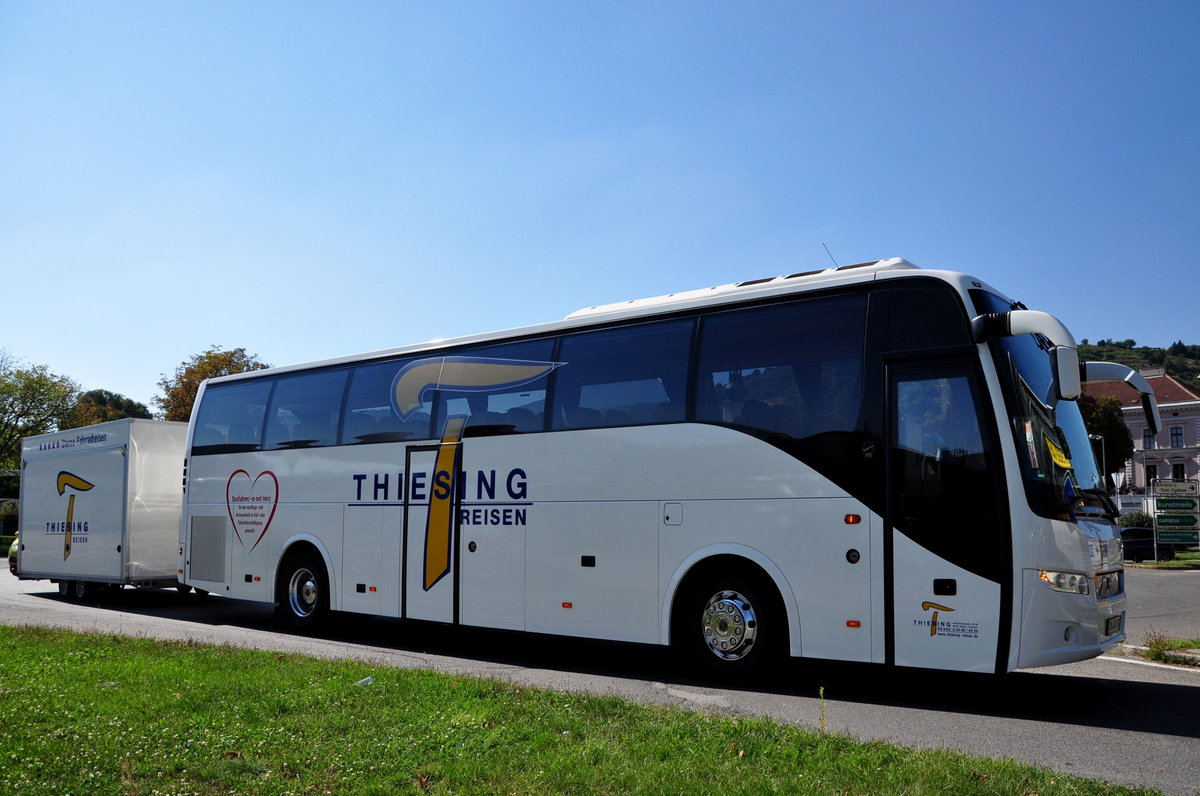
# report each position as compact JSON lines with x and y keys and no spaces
{"x":1184,"y":559}
{"x":1165,"y":650}
{"x":92,"y":714}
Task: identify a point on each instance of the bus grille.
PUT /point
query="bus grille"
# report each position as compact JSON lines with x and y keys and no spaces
{"x":207,"y":549}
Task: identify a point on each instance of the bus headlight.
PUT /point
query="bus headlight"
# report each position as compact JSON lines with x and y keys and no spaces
{"x":1069,"y":582}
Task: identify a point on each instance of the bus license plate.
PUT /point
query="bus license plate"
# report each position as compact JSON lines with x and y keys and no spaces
{"x":1113,"y":626}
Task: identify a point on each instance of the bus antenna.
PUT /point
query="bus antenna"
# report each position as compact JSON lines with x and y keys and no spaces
{"x":835,"y":262}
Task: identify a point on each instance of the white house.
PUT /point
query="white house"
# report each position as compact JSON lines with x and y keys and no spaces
{"x":1175,"y":451}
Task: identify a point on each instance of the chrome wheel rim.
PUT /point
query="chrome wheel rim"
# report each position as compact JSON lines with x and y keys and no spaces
{"x":729,"y":625}
{"x":303,"y":593}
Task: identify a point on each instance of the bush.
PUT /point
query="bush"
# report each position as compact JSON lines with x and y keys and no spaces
{"x":1136,"y":519}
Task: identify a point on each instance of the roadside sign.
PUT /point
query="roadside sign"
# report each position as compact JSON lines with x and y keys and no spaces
{"x":1176,"y":519}
{"x":1177,"y":522}
{"x":1165,"y":487}
{"x":1177,"y":504}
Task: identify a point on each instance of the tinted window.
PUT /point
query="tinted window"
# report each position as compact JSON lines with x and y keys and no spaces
{"x":793,"y":370}
{"x":230,"y":417}
{"x":370,"y":412}
{"x":627,"y":376}
{"x":924,"y":316}
{"x":944,"y":490}
{"x":304,"y":410}
{"x":501,"y":389}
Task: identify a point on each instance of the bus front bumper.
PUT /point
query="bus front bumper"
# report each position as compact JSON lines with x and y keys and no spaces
{"x":1060,"y":627}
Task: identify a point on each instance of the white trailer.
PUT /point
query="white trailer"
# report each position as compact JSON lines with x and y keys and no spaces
{"x":100,"y":506}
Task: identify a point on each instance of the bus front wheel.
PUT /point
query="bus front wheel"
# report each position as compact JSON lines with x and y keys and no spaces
{"x":732,"y":626}
{"x":302,"y":590}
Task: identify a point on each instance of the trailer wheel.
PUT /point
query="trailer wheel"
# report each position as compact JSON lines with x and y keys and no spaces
{"x":183,"y":588}
{"x":82,"y":590}
{"x":66,"y":589}
{"x":302,"y":590}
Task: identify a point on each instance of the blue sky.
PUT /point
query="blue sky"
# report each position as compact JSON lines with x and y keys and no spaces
{"x":312,"y":179}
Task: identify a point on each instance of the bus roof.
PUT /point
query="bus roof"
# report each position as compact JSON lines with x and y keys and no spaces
{"x":648,"y":307}
{"x":806,"y":278}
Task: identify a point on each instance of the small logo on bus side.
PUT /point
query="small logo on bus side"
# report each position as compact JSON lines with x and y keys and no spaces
{"x":942,"y":627}
{"x":933,"y":623}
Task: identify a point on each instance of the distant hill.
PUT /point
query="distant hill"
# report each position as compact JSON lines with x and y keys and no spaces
{"x":1180,"y":361}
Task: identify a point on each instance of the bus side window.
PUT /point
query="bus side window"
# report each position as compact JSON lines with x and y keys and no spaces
{"x":628,"y":376}
{"x":506,"y":409}
{"x":946,"y":491}
{"x":369,"y":415}
{"x":304,"y":410}
{"x":793,"y":370}
{"x":230,"y":418}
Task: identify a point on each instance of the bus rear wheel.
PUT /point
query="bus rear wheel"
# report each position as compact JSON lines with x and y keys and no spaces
{"x":302,"y":590}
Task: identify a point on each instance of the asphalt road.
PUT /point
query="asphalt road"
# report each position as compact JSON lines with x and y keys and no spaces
{"x":1109,"y":718}
{"x":1162,"y":601}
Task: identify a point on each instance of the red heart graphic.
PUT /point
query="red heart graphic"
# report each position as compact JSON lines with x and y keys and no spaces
{"x":251,"y":507}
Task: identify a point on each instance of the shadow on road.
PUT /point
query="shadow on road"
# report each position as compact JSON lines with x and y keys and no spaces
{"x":1059,"y":699}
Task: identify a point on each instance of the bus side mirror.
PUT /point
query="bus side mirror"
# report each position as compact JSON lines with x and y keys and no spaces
{"x":1113,"y":371}
{"x":1064,"y":361}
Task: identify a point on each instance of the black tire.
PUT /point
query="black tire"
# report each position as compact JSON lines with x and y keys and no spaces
{"x":731,"y":625}
{"x":302,"y":590}
{"x":66,"y":589}
{"x":183,"y":588}
{"x":82,"y":590}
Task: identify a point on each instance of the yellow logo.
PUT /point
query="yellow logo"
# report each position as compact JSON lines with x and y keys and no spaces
{"x":70,"y":480}
{"x":453,"y":374}
{"x":925,"y":606}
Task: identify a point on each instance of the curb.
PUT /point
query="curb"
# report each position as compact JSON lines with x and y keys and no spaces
{"x":1191,"y":656}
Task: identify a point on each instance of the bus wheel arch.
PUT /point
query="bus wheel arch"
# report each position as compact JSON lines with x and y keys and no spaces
{"x":302,"y":586}
{"x":729,"y":616}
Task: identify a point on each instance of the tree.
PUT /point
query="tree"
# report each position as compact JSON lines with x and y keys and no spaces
{"x":1103,"y":416}
{"x":179,"y":391}
{"x":100,"y":406}
{"x":32,"y":401}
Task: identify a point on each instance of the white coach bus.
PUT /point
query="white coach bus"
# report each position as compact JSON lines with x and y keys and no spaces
{"x":869,"y":463}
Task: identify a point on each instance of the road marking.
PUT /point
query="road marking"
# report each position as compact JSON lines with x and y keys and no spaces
{"x":1155,"y":664}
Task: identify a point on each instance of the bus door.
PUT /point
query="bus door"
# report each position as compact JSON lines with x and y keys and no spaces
{"x":430,"y":573}
{"x":464,"y":558}
{"x":947,"y":545}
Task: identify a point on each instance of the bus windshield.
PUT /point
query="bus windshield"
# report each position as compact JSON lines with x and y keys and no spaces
{"x":1058,"y":465}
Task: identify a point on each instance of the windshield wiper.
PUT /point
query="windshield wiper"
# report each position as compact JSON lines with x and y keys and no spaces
{"x":1107,"y":506}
